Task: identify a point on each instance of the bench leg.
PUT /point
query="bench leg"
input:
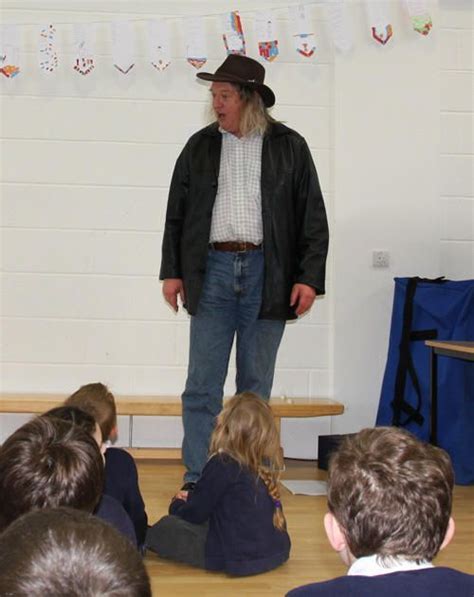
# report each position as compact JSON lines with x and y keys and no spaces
{"x":278,"y":427}
{"x":130,"y":431}
{"x":278,"y":424}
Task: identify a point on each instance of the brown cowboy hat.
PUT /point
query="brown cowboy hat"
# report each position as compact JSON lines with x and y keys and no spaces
{"x":245,"y":71}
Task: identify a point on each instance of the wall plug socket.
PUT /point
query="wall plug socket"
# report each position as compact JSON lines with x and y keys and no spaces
{"x":380,"y":258}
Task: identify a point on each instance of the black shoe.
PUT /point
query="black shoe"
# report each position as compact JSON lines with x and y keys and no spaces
{"x":188,"y":486}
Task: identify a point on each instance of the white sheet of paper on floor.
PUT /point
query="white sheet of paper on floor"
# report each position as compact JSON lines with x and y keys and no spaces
{"x":306,"y":487}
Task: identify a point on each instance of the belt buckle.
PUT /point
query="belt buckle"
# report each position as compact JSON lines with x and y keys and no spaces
{"x":242,"y":247}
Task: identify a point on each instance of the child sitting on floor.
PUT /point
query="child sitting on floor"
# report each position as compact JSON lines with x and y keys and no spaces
{"x":108,"y":509}
{"x":389,"y":499}
{"x":233,"y":520}
{"x":121,"y":477}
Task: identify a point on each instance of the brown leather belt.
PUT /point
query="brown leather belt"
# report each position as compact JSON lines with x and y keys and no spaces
{"x":234,"y":246}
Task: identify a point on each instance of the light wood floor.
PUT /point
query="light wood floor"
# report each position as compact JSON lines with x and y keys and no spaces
{"x":311,"y":557}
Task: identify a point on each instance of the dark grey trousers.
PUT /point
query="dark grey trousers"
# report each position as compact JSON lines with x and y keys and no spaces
{"x":175,"y":539}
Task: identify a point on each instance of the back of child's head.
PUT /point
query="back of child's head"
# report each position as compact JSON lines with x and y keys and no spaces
{"x":245,"y":429}
{"x":62,"y":551}
{"x":75,"y":416}
{"x":48,"y":463}
{"x":97,"y":400}
{"x":391,"y":494}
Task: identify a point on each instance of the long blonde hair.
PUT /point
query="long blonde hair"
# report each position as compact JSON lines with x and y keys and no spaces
{"x":246,"y":430}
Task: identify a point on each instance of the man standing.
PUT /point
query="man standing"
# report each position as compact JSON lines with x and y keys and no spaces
{"x":244,"y":245}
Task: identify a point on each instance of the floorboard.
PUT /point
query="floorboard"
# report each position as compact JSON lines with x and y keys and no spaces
{"x":311,"y":557}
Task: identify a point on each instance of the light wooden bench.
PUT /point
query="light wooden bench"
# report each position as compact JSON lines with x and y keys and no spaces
{"x":166,"y":406}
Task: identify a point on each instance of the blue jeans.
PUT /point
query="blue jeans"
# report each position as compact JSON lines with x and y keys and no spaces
{"x":229,"y":306}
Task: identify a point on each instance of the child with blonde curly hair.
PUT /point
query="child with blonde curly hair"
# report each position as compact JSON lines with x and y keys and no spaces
{"x":233,"y":520}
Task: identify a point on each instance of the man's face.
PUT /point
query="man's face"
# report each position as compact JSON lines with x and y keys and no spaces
{"x":227,"y":105}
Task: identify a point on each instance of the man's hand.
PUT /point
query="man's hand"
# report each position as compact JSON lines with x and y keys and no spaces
{"x":302,"y":296}
{"x":172,"y":287}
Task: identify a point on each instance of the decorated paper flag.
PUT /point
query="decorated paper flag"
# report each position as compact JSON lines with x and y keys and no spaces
{"x":420,"y":16}
{"x":303,"y":32}
{"x":159,"y":44}
{"x":233,"y":34}
{"x":196,"y":50}
{"x":48,"y":53}
{"x":265,"y":33}
{"x":9,"y":51}
{"x":379,"y":22}
{"x":84,"y":42}
{"x":123,"y":46}
{"x":338,"y":25}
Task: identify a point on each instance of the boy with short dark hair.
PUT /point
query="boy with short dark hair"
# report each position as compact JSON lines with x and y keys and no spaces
{"x":390,"y":500}
{"x":62,"y":552}
{"x":51,"y":462}
{"x":48,"y":463}
{"x":121,"y":476}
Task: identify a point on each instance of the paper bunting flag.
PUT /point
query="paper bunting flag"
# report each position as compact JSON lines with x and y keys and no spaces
{"x":338,"y":25}
{"x":420,"y":16}
{"x":196,"y":50}
{"x":123,"y":46}
{"x":48,"y":55}
{"x":9,"y":51}
{"x":84,"y":42}
{"x":233,"y":34}
{"x":265,"y":33}
{"x":379,"y":21}
{"x":303,"y":32}
{"x":159,"y":43}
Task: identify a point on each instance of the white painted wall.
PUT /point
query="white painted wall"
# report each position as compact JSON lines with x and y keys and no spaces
{"x":86,"y":164}
{"x":386,"y":173}
{"x":457,"y":140}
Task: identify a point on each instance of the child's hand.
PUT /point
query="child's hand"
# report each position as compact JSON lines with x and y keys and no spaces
{"x":181,"y":495}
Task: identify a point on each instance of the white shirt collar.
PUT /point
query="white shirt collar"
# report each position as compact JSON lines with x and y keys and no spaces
{"x":252,"y":135}
{"x":374,"y":565}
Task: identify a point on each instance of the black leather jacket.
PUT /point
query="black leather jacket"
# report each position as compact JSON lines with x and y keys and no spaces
{"x":295,"y":229}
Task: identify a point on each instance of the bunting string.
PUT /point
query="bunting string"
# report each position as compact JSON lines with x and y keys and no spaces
{"x":233,"y":26}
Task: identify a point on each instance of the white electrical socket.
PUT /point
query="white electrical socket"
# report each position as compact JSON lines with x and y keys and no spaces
{"x":380,"y":259}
